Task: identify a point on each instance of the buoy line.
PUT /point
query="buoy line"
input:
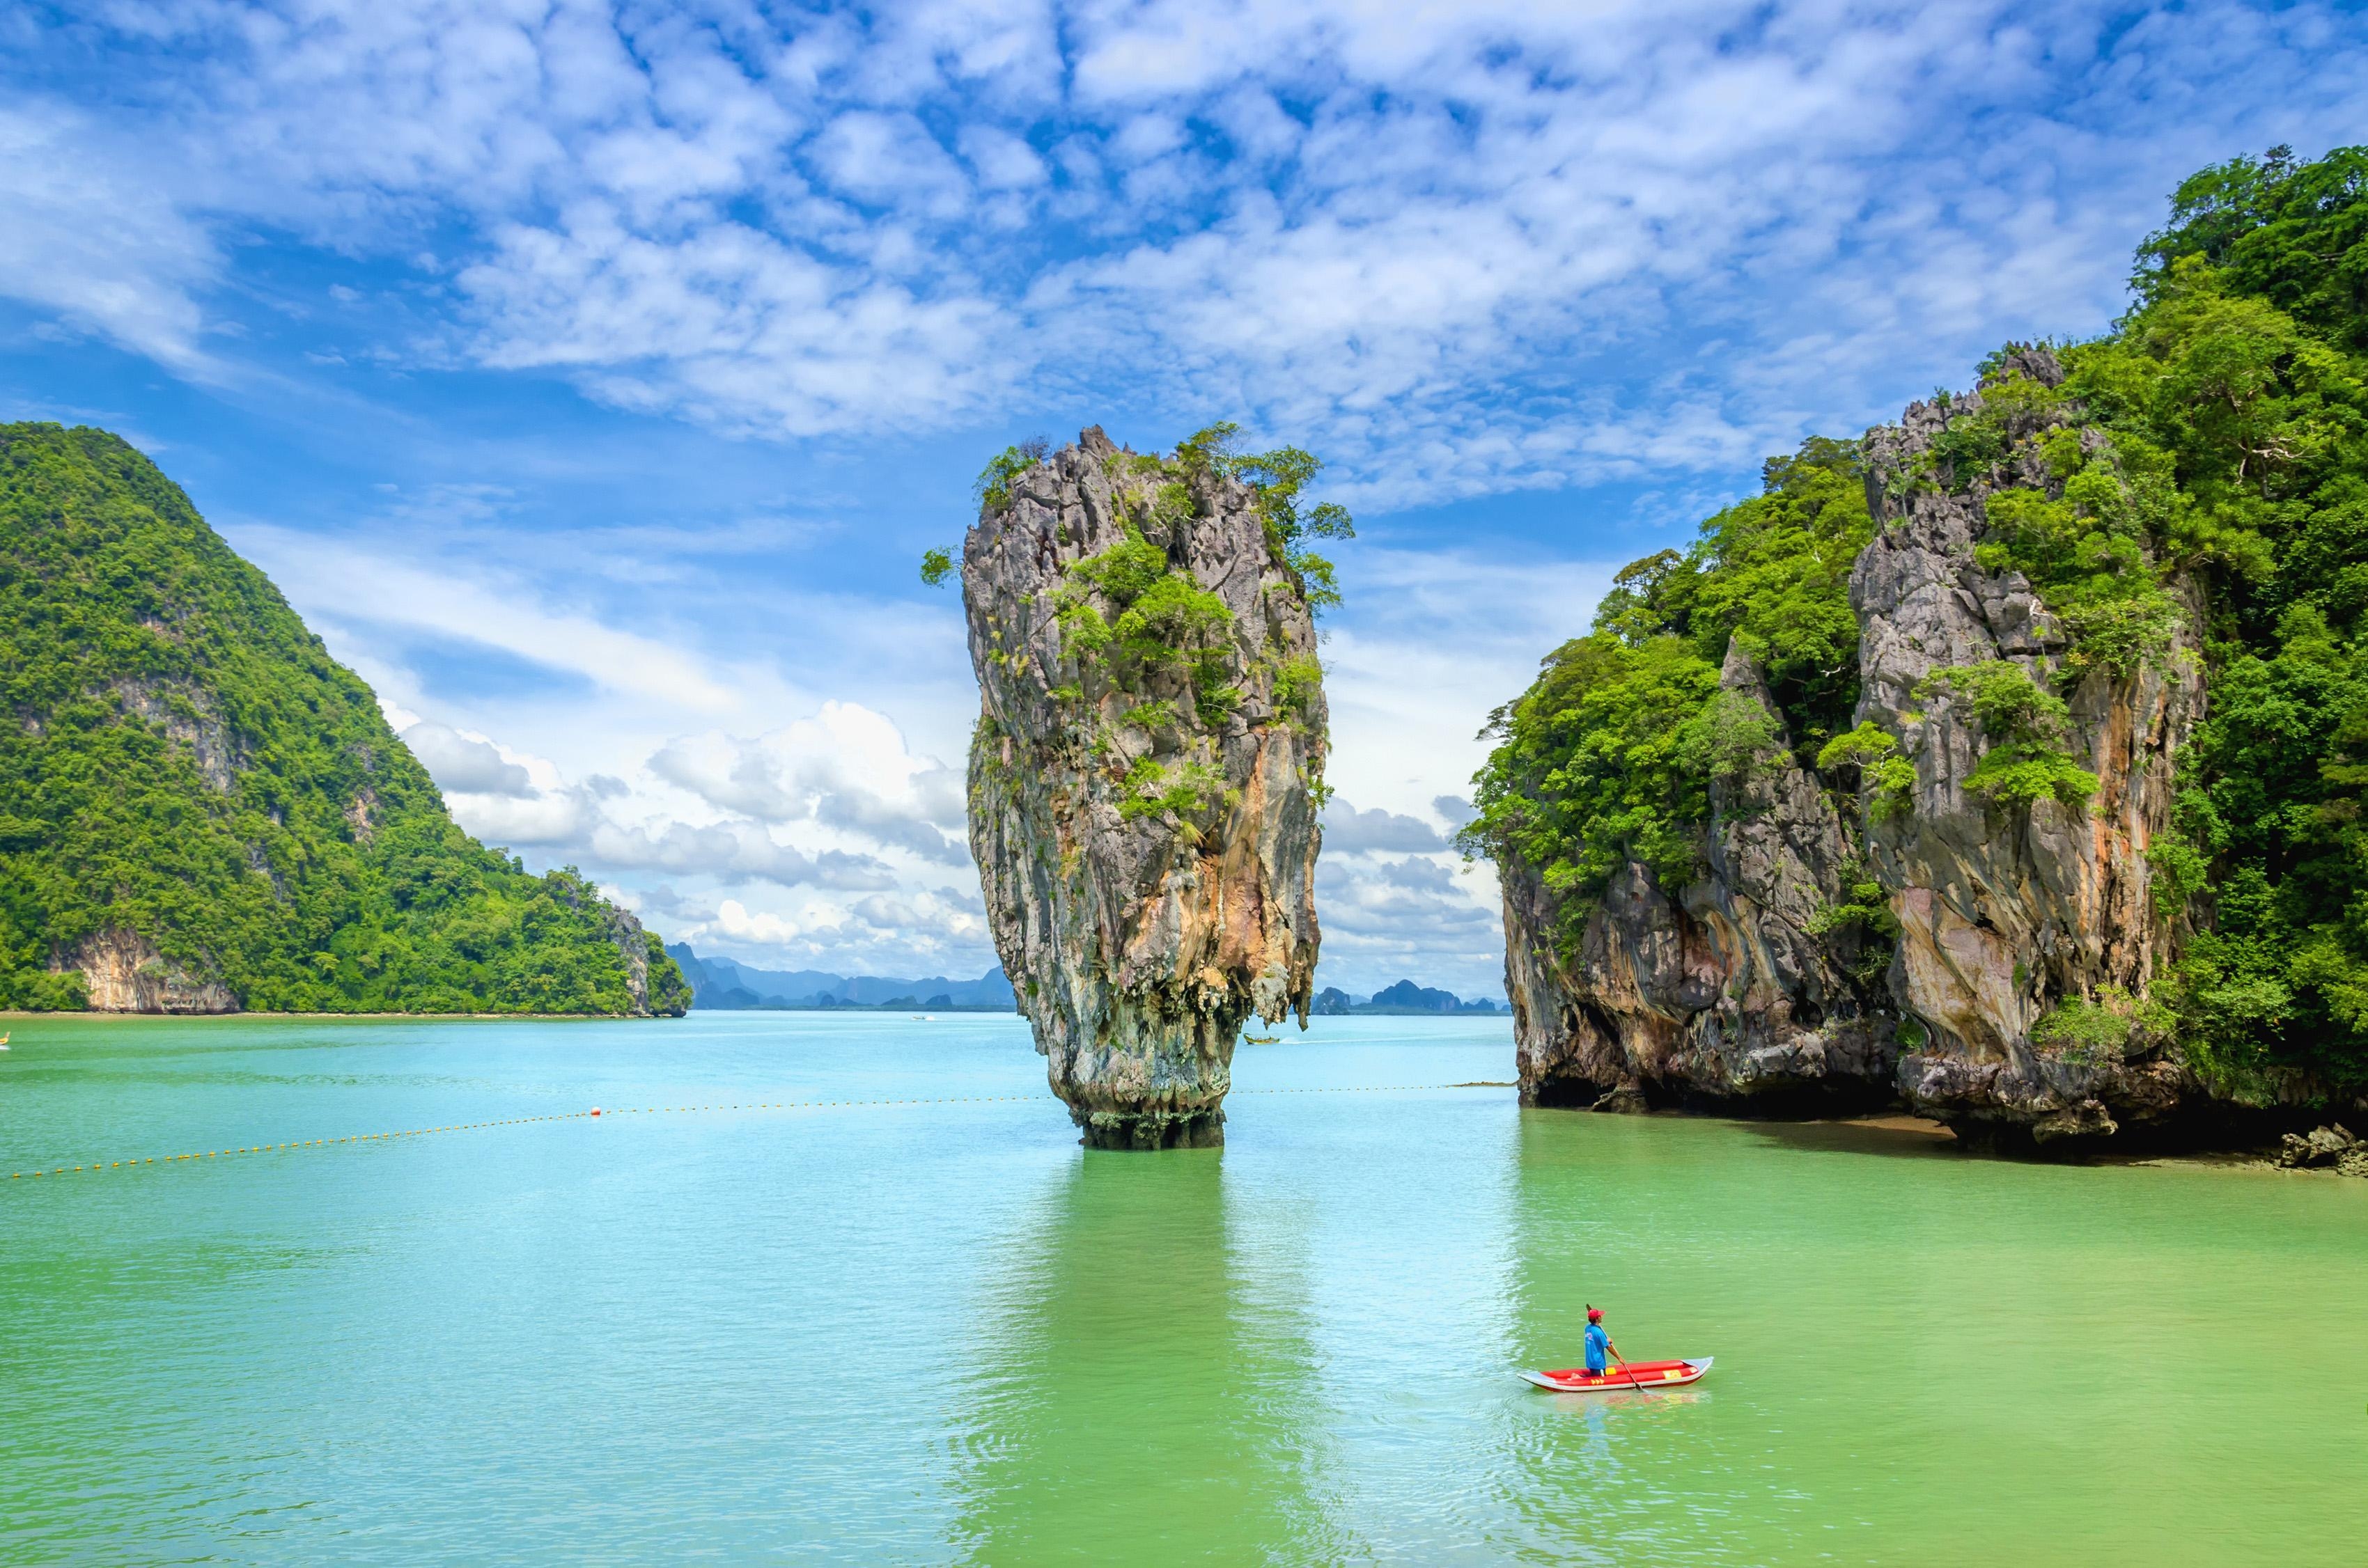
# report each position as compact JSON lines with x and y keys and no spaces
{"x":138,"y":1162}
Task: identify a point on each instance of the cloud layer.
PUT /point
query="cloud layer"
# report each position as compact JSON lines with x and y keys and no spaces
{"x":1462,"y":247}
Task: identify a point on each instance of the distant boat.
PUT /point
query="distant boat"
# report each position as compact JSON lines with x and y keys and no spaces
{"x":1260,"y":1039}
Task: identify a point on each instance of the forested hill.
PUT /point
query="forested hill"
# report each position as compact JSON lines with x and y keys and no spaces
{"x":201,"y":810}
{"x":2029,"y":736}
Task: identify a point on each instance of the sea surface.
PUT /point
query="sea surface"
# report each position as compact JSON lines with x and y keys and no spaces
{"x":698,"y":1328}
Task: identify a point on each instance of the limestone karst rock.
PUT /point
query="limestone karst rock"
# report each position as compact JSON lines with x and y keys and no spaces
{"x":1145,"y":778}
{"x":1726,"y":995}
{"x":1740,"y":991}
{"x":203,"y":812}
{"x":2000,"y":911}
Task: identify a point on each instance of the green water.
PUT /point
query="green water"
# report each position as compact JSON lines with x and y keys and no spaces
{"x":944,"y":1334}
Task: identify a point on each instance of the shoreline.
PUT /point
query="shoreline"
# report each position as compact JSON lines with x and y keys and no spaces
{"x":16,"y":1015}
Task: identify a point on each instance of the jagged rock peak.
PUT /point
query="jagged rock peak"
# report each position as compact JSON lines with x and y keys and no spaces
{"x":1145,"y":778}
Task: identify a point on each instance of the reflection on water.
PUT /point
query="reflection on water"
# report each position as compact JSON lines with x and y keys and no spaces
{"x":1137,"y":1396}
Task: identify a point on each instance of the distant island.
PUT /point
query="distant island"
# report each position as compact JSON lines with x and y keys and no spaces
{"x":1404,"y":999}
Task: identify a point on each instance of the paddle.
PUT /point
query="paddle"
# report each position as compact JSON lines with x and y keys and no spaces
{"x":1619,"y":1357}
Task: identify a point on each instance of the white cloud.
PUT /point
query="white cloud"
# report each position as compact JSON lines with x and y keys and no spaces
{"x":1347,"y":831}
{"x":1482,"y":250}
{"x":732,"y":852}
{"x":729,"y":324}
{"x":1419,"y":918}
{"x":758,"y":930}
{"x":334,"y":577}
{"x":1428,"y":642}
{"x":465,"y":763}
{"x":846,"y":768}
{"x":92,"y":235}
{"x":1004,"y":162}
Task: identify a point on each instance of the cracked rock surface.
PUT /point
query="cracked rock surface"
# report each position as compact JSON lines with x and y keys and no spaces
{"x":1731,"y":993}
{"x":1145,"y":826}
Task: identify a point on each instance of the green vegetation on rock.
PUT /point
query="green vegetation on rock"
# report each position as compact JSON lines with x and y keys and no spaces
{"x":2025,"y":761}
{"x":2235,"y":396}
{"x":2200,"y":470}
{"x":1140,"y":628}
{"x":181,"y":761}
{"x":1610,"y":755}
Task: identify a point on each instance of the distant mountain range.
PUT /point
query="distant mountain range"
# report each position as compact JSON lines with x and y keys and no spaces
{"x":721,"y":983}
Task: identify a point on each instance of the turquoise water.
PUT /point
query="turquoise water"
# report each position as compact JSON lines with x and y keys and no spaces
{"x":942,"y":1332}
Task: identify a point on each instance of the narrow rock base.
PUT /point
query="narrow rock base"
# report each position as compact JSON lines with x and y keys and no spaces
{"x":1151,"y":1130}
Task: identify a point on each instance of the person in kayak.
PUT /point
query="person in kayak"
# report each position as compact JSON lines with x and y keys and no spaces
{"x":1598,"y":1344}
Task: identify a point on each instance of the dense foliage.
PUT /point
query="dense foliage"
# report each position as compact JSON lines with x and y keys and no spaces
{"x":1137,"y":621}
{"x":1276,"y":478}
{"x":180,"y":758}
{"x":2242,"y":376}
{"x":2208,"y":456}
{"x":1610,"y":755}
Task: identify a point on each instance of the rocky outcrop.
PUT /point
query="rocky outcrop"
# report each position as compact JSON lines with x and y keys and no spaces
{"x":1143,"y":779}
{"x":1747,"y":990}
{"x":123,"y":973}
{"x":2328,"y":1148}
{"x":186,"y":714}
{"x":2004,"y":913}
{"x":1739,"y":993}
{"x":652,"y":977}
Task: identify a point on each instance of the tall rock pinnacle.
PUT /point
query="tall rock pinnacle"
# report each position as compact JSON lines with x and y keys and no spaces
{"x":1145,"y":776}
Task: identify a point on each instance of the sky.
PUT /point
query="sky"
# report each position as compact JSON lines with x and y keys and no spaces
{"x":591,"y":377}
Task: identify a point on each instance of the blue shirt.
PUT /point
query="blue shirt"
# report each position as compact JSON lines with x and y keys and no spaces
{"x":1598,"y":1344}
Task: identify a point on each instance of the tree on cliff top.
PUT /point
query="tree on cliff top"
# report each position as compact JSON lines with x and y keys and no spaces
{"x":180,"y":758}
{"x":1609,"y":757}
{"x":2243,"y":370}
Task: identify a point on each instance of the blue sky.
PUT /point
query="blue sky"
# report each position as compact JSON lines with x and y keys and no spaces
{"x":592,"y":376}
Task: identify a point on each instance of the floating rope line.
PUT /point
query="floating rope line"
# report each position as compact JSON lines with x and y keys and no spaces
{"x":141,"y":1163}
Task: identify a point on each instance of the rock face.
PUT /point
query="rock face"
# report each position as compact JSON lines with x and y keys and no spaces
{"x":122,"y":971}
{"x":2325,"y":1148}
{"x":125,"y":973}
{"x":1143,"y":780}
{"x":1729,"y":996}
{"x":1742,"y":991}
{"x":2003,"y":912}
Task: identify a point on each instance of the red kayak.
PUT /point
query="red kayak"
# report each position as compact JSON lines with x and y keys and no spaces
{"x":1643,"y":1375}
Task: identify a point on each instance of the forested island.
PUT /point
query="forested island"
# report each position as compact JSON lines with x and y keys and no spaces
{"x":201,"y":810}
{"x":2009,"y":761}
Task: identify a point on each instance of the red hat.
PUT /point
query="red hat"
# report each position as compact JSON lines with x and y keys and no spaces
{"x":1595,"y":1314}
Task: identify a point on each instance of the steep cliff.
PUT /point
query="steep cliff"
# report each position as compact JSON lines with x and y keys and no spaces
{"x":1740,"y":992}
{"x":2049,"y":816}
{"x":2008,"y":907}
{"x":1144,"y":776}
{"x":201,"y":812}
{"x":1894,"y":925}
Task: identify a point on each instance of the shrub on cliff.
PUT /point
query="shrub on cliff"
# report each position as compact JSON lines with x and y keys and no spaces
{"x":1610,"y":755}
{"x":182,"y":759}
